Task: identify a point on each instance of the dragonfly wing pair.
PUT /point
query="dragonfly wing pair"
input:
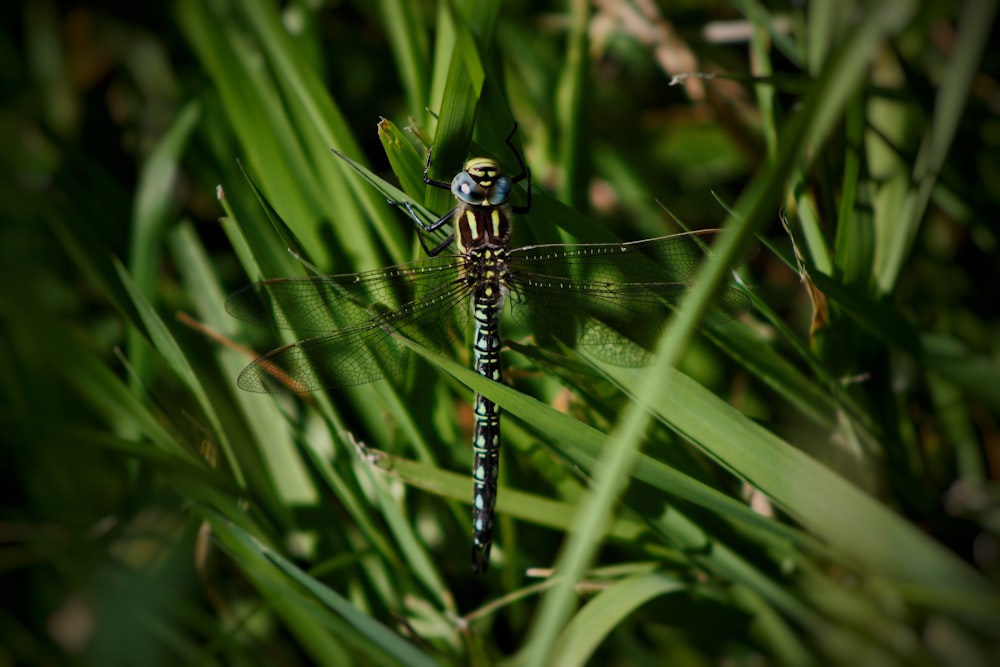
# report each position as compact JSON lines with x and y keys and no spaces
{"x":614,"y":299}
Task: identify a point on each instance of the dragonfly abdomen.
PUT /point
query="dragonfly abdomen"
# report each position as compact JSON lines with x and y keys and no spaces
{"x":487,"y":302}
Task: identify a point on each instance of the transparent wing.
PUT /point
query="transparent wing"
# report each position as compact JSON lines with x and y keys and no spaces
{"x":613,"y":298}
{"x":362,"y":316}
{"x":326,"y":303}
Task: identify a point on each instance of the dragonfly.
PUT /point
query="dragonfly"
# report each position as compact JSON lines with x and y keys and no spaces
{"x":611,"y":299}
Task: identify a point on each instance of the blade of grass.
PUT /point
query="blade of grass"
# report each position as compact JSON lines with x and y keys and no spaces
{"x":571,"y":105}
{"x":164,"y":342}
{"x":154,"y":209}
{"x":410,"y":50}
{"x":975,"y":23}
{"x":337,"y":628}
{"x":823,"y":502}
{"x":275,"y":457}
{"x":599,"y":617}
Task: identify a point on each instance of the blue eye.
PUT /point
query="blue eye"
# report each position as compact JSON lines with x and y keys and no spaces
{"x":500,"y":191}
{"x":465,"y":188}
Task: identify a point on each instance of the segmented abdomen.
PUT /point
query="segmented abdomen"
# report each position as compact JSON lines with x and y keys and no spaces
{"x":486,"y":307}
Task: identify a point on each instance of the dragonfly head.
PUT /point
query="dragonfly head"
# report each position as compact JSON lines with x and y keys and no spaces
{"x":481,"y":183}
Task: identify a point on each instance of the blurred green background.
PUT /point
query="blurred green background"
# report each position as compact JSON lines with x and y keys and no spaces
{"x":817,"y":484}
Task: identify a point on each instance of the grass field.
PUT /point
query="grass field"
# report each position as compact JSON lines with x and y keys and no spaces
{"x":813,"y":483}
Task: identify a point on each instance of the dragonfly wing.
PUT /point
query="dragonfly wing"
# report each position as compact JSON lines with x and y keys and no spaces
{"x":361,"y":353}
{"x":328,"y":303}
{"x":615,"y":324}
{"x":613,"y":298}
{"x":320,"y":362}
{"x":361,"y":317}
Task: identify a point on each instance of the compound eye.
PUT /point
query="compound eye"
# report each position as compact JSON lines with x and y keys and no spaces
{"x":500,"y":192}
{"x":466,"y":189}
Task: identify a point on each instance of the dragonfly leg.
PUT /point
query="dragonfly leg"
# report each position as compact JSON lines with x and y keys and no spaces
{"x":436,"y":250}
{"x":423,"y":227}
{"x":444,"y":185}
{"x":524,"y":175}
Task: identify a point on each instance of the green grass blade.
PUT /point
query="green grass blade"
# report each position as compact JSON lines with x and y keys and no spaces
{"x":600,"y":616}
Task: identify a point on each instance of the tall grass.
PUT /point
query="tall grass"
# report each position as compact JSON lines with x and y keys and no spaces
{"x":812,"y":484}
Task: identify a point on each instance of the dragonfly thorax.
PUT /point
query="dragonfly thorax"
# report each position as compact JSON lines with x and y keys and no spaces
{"x":481,"y":183}
{"x":482,"y":217}
{"x":487,"y":272}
